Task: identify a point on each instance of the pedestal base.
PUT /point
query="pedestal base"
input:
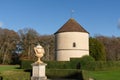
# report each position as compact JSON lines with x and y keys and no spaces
{"x":38,"y":71}
{"x":38,"y":78}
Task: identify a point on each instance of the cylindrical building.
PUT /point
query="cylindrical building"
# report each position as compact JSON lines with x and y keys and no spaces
{"x":72,"y":41}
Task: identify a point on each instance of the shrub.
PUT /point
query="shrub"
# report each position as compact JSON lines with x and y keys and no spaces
{"x":106,"y":65}
{"x":58,"y":65}
{"x":26,"y":64}
{"x":86,"y":58}
{"x":75,"y":63}
{"x":86,"y":62}
{"x":102,"y":65}
{"x":97,"y":50}
{"x":64,"y":74}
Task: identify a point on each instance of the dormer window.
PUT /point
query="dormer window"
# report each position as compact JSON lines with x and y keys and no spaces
{"x":74,"y":44}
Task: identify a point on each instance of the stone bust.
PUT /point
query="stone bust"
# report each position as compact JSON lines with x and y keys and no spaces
{"x":39,"y":52}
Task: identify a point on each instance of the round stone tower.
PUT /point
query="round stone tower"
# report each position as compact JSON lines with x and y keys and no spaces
{"x":71,"y":41}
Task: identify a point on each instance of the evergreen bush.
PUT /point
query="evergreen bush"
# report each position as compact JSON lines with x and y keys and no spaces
{"x":26,"y":64}
{"x":64,"y":74}
{"x":84,"y":63}
{"x":97,"y":50}
{"x":58,"y":65}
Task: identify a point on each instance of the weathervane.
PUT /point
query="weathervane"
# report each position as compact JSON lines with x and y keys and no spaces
{"x":72,"y":11}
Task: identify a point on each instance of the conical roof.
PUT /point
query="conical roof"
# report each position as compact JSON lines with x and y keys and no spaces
{"x":71,"y":26}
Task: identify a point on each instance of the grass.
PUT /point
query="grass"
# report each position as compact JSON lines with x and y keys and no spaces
{"x":11,"y":72}
{"x":15,"y":75}
{"x":104,"y":75}
{"x":8,"y":67}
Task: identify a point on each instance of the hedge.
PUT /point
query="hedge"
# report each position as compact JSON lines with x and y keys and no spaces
{"x":58,"y":65}
{"x":83,"y":64}
{"x":101,"y":65}
{"x":68,"y":74}
{"x":62,"y":65}
{"x":26,"y":64}
{"x":106,"y":65}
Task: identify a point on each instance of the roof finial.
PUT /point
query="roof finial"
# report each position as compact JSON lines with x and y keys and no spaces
{"x":72,"y":11}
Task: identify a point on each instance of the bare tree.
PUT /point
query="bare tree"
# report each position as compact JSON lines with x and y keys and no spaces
{"x":29,"y":38}
{"x":7,"y":44}
{"x":112,"y":46}
{"x":48,"y":41}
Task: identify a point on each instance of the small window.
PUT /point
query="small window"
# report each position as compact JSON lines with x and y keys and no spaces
{"x":74,"y":44}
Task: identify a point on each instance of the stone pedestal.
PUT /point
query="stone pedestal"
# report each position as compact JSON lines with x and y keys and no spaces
{"x":38,"y":71}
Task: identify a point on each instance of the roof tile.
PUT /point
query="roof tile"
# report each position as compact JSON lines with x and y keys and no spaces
{"x":71,"y":26}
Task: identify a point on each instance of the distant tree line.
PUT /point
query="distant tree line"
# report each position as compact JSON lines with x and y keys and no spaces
{"x":15,"y":46}
{"x":112,"y":47}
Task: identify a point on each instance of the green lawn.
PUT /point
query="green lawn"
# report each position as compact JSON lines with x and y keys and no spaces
{"x":104,"y":75}
{"x":12,"y":72}
{"x":8,"y":67}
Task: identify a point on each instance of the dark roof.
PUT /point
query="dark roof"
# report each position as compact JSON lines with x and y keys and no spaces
{"x":71,"y":26}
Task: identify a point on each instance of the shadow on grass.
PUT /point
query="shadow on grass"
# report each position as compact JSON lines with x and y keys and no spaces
{"x":17,"y":68}
{"x":29,"y":70}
